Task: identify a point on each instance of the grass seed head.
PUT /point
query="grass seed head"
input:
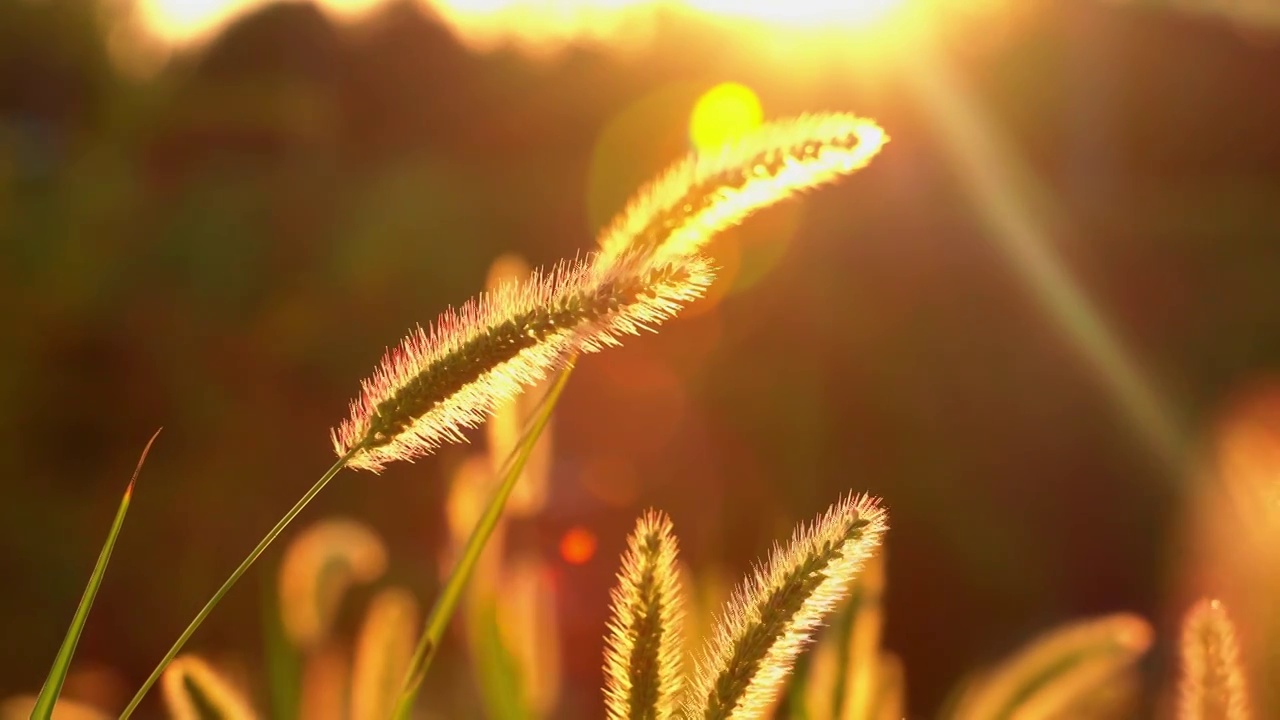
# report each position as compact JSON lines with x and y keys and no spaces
{"x":772,"y":615}
{"x":706,"y":193}
{"x":643,"y":648}
{"x":445,"y":379}
{"x":1213,"y":686}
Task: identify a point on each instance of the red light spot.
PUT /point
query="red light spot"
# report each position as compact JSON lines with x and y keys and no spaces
{"x":578,"y":545}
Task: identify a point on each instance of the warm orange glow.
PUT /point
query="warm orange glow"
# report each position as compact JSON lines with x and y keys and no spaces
{"x":182,"y":22}
{"x":801,"y":13}
{"x":723,"y":113}
{"x":538,"y":25}
{"x":546,"y":25}
{"x":578,"y":545}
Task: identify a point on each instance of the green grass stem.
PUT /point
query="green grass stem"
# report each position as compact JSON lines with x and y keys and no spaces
{"x":235,"y":576}
{"x":443,"y":610}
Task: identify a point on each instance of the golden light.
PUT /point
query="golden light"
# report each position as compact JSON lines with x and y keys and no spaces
{"x":543,"y":26}
{"x":540,"y":26}
{"x":801,"y":13}
{"x":577,"y":545}
{"x":723,"y":113}
{"x":185,"y":22}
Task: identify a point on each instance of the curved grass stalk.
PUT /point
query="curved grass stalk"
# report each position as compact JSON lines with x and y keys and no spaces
{"x":235,"y":576}
{"x":190,"y":685}
{"x":319,"y":566}
{"x":1055,"y":670}
{"x":442,"y":611}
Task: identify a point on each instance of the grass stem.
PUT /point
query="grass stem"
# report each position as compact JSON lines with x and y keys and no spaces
{"x":443,"y":610}
{"x":235,"y":576}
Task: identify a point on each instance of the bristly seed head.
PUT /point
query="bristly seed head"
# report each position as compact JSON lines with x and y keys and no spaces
{"x":441,"y":381}
{"x":774,"y":613}
{"x":1213,"y":686}
{"x":643,"y":653}
{"x":677,"y":214}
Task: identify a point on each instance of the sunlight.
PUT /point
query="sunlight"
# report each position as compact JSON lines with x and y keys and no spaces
{"x":537,"y":25}
{"x":186,"y":22}
{"x":723,"y":113}
{"x":1023,"y":220}
{"x":809,"y":14}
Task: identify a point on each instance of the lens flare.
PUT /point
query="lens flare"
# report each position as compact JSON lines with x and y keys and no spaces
{"x":726,"y":111}
{"x":578,"y":546}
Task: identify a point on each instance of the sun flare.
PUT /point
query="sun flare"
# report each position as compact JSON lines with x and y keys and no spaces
{"x":537,"y":25}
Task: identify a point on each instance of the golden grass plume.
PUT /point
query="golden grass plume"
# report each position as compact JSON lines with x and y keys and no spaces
{"x":677,"y":214}
{"x":843,"y":681}
{"x":643,"y":649}
{"x":774,"y":613}
{"x":1212,"y":685}
{"x":450,"y":377}
{"x":318,"y":567}
{"x":190,"y":685}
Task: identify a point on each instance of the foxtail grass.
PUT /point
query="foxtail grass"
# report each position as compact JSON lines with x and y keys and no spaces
{"x":440,"y":381}
{"x":843,"y":680}
{"x":448,"y":378}
{"x":675,"y":216}
{"x":772,"y":615}
{"x":383,"y":650}
{"x":441,"y":613}
{"x":1053,"y":672}
{"x":230,"y":582}
{"x":193,"y":690}
{"x":318,"y":567}
{"x":502,"y":431}
{"x":1212,"y":685}
{"x":643,"y":653}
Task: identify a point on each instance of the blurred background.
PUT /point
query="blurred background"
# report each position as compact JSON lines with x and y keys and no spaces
{"x":1029,"y":325}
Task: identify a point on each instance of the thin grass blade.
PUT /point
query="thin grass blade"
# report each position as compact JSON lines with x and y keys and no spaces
{"x":230,"y":582}
{"x":62,"y":661}
{"x":442,"y":611}
{"x":283,"y":661}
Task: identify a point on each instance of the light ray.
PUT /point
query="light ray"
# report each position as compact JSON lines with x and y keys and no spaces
{"x":1020,"y":218}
